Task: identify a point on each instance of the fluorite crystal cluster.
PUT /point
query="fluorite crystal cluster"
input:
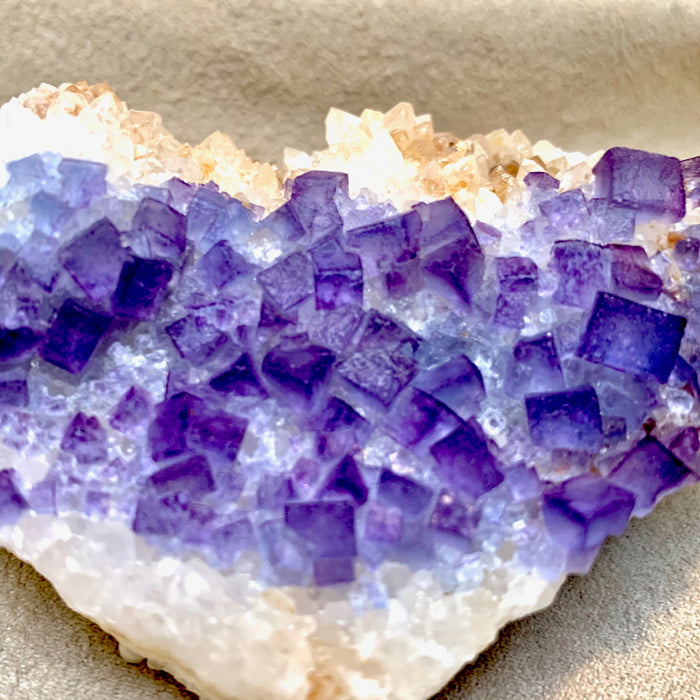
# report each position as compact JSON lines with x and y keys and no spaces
{"x":341,"y":430}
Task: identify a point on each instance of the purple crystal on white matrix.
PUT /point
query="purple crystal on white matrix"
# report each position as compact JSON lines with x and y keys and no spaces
{"x":392,"y":385}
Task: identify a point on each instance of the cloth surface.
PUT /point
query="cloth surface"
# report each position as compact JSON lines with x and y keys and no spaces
{"x":586,"y":75}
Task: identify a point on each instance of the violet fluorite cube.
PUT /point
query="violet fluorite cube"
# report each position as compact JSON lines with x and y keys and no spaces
{"x":457,"y":383}
{"x":384,"y":524}
{"x":85,"y":439}
{"x":241,"y":378}
{"x":441,"y":222}
{"x":452,"y":517}
{"x":12,"y":502}
{"x":299,"y":369}
{"x":133,"y":410}
{"x":289,"y":281}
{"x":167,"y":434}
{"x":192,"y":475}
{"x":405,"y":493}
{"x":583,"y":269}
{"x":581,"y":512}
{"x":415,"y":415}
{"x":340,"y":429}
{"x":464,"y":461}
{"x":385,"y":240}
{"x":94,"y":259}
{"x":456,"y":268}
{"x":331,"y":571}
{"x":567,"y":419}
{"x":195,"y":338}
{"x":649,"y":471}
{"x":535,"y":367}
{"x":18,"y":343}
{"x":73,"y":336}
{"x":337,"y":275}
{"x":649,"y":183}
{"x":81,"y":181}
{"x":346,"y":480}
{"x":165,"y":228}
{"x":221,"y":264}
{"x":312,"y":202}
{"x":631,"y":337}
{"x":631,"y":274}
{"x":378,"y":374}
{"x":142,"y":288}
{"x":328,"y":527}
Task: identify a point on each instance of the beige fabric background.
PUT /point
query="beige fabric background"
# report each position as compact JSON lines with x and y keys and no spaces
{"x":583,"y":74}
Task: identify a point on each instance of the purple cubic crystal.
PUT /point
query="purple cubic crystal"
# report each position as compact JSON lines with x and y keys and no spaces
{"x":457,"y":383}
{"x":167,"y":434}
{"x":217,"y":433}
{"x":649,"y":470}
{"x":94,"y":259}
{"x":335,"y":329}
{"x":337,"y":275}
{"x":142,"y":287}
{"x":464,"y":461}
{"x":384,"y":524}
{"x":203,"y":210}
{"x":384,"y":241}
{"x":686,"y":446}
{"x":541,"y":181}
{"x":452,"y":517}
{"x":609,"y":223}
{"x":403,"y":276}
{"x":133,"y":410}
{"x":327,"y":526}
{"x":331,"y":571}
{"x":195,"y":338}
{"x":382,"y":332}
{"x":581,"y":512}
{"x":50,"y":213}
{"x":305,"y":474}
{"x":381,"y":375}
{"x":340,"y":429}
{"x":73,"y":336}
{"x":312,"y":202}
{"x":405,"y":493}
{"x":14,"y":390}
{"x":289,"y":281}
{"x":518,"y":281}
{"x":96,"y":504}
{"x":85,"y":439}
{"x":649,"y":183}
{"x":631,"y":274}
{"x":12,"y":502}
{"x":274,"y":490}
{"x":229,"y":539}
{"x":414,"y":415}
{"x":583,"y":269}
{"x":221,"y":264}
{"x":18,"y":343}
{"x":192,"y":475}
{"x":82,"y":181}
{"x":631,"y":337}
{"x":535,"y":367}
{"x":300,"y":369}
{"x":565,"y":419}
{"x":37,"y":263}
{"x":456,"y":268}
{"x":164,"y":227}
{"x":168,"y":516}
{"x":241,"y":378}
{"x":441,"y":222}
{"x":567,"y":211}
{"x":346,"y":480}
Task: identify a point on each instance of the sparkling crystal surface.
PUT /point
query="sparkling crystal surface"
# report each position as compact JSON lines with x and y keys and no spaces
{"x":350,"y":419}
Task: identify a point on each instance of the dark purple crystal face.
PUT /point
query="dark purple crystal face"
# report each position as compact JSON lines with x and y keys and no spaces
{"x":337,"y":384}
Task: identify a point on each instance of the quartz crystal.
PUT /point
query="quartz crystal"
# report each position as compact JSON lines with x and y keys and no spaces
{"x":318,"y":432}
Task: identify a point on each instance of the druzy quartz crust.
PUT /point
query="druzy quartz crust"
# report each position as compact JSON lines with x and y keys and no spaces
{"x":338,"y":415}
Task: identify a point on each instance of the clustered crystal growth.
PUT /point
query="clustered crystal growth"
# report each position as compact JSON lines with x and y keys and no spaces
{"x":336,"y":384}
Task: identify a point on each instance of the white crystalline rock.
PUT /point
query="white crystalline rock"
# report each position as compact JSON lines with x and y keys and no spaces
{"x":227,"y":638}
{"x":225,"y":635}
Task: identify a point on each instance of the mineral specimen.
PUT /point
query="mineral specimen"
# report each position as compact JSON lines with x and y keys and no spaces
{"x":341,"y":421}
